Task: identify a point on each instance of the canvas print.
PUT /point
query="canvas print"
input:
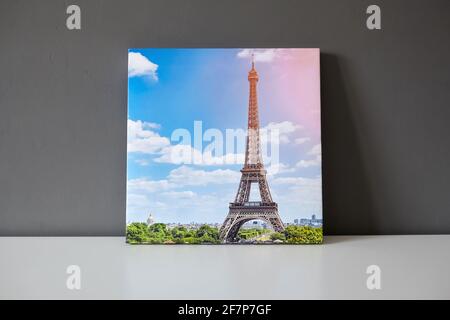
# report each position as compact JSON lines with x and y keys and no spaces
{"x":224,"y":146}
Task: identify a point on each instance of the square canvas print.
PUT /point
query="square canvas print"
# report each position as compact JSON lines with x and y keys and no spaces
{"x":224,"y":146}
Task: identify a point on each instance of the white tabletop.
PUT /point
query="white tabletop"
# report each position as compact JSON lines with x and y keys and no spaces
{"x":411,"y":267}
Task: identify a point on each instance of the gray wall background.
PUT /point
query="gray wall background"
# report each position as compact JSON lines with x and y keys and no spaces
{"x":385,"y":105}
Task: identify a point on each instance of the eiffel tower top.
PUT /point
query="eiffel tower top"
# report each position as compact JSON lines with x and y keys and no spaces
{"x":252,"y":153}
{"x":252,"y":73}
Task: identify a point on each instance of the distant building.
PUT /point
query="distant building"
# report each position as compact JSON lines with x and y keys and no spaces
{"x":150,"y":220}
{"x":316,"y":222}
{"x":296,"y":221}
{"x":192,"y":225}
{"x":304,"y":222}
{"x":254,"y":224}
{"x":313,"y":222}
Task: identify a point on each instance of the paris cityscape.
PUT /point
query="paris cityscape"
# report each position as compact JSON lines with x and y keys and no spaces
{"x":255,"y":231}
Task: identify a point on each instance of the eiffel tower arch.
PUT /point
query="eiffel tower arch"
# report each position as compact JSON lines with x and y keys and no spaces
{"x":253,"y":173}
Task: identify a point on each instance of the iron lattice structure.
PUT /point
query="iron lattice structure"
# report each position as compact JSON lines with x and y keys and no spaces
{"x":242,"y":210}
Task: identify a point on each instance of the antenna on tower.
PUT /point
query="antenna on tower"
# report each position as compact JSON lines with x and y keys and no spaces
{"x":253,"y":60}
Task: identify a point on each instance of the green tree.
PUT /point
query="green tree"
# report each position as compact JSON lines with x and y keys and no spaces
{"x":158,"y":228}
{"x":206,"y":230}
{"x":137,"y":232}
{"x":179,"y":232}
{"x":303,"y":235}
{"x":158,"y":233}
{"x":278,"y":236}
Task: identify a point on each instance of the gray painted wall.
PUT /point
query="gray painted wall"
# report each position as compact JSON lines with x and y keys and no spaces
{"x":385,"y":105}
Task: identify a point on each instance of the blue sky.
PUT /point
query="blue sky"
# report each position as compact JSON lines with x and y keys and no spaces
{"x":169,"y":89}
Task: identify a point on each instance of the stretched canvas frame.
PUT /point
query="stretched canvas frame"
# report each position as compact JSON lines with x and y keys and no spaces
{"x":224,"y":146}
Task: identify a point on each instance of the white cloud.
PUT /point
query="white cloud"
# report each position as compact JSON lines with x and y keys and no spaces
{"x":143,"y":185}
{"x":279,"y":168}
{"x":166,"y":196}
{"x":185,"y":154}
{"x":187,"y":176}
{"x":137,"y":200}
{"x":142,"y":162}
{"x":309,"y":163}
{"x":300,"y":197}
{"x":260,"y":55}
{"x":283,"y":129}
{"x":298,"y":181}
{"x":183,"y":176}
{"x":182,"y":206}
{"x":302,"y":140}
{"x":229,"y":158}
{"x":179,"y":194}
{"x":138,"y":203}
{"x":139,"y":65}
{"x":177,"y":154}
{"x":139,"y":206}
{"x":141,"y":137}
{"x":316,"y":150}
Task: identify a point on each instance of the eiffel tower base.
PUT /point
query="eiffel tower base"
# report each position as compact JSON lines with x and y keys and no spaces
{"x":242,"y":213}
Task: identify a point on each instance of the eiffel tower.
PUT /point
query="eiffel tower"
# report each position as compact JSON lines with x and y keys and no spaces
{"x":242,"y":210}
